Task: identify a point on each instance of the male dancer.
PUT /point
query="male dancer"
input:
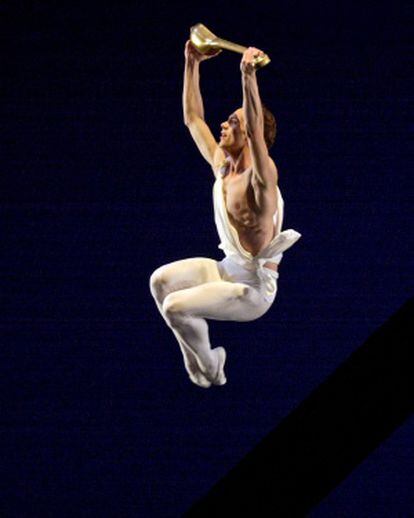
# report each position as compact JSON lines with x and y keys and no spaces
{"x":248,"y":210}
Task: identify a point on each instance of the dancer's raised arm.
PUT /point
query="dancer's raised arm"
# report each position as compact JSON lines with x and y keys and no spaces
{"x":263,"y":167}
{"x":193,"y":109}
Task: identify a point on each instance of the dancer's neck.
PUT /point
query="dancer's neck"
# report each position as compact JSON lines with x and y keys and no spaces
{"x":239,"y":160}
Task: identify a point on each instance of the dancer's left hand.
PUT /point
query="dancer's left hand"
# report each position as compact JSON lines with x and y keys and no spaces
{"x":247,"y":62}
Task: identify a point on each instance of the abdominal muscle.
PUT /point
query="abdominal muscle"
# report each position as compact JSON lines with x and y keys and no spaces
{"x":243,"y":214}
{"x":251,"y":238}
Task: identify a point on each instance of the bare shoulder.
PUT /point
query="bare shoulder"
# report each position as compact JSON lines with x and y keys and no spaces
{"x":218,"y":159}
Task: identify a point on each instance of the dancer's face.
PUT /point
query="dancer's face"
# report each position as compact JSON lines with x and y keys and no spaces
{"x":233,"y":131}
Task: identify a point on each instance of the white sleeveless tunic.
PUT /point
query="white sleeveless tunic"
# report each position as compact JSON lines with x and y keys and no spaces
{"x":230,"y":242}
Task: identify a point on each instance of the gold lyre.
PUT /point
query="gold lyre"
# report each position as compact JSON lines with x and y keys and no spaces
{"x":204,"y":40}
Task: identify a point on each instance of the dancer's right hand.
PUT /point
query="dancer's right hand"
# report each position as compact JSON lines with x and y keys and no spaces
{"x":192,"y":54}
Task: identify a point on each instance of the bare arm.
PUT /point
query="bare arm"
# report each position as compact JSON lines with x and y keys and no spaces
{"x":192,"y":100}
{"x":263,"y":167}
{"x":193,"y":109}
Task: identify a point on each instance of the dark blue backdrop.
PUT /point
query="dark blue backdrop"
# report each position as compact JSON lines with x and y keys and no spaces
{"x":101,"y":184}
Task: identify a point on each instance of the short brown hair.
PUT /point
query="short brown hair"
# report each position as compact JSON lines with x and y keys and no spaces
{"x":269,"y":126}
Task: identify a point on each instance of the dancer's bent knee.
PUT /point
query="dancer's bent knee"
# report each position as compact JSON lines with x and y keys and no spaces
{"x":156,"y":284}
{"x":161,"y":284}
{"x":173,"y":309}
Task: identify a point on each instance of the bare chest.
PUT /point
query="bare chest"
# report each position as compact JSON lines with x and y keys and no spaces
{"x":240,"y":198}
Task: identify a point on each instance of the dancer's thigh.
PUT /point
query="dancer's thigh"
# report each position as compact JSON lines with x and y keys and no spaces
{"x":187,"y":273}
{"x":219,"y":300}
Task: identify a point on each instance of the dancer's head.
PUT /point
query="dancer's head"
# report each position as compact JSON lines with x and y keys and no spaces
{"x":233,"y":131}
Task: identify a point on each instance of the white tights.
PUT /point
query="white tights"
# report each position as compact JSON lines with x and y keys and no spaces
{"x":189,"y":291}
